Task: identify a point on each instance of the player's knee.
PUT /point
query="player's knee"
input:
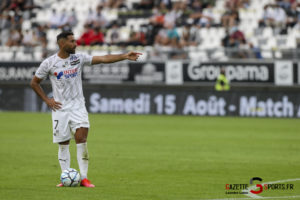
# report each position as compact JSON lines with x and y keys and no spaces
{"x":81,"y":135}
{"x":81,"y":140}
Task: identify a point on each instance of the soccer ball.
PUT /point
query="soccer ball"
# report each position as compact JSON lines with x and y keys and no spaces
{"x":70,"y":177}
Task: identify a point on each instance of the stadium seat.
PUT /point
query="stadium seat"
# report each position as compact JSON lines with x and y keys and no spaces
{"x":219,"y":55}
{"x":266,"y":54}
{"x":198,"y":55}
{"x":97,"y":53}
{"x":38,"y":55}
{"x":6,"y":55}
{"x":278,"y":54}
{"x":281,"y":42}
{"x":24,"y":56}
{"x":267,"y":32}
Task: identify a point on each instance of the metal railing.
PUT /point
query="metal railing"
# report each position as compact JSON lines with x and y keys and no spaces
{"x":157,"y":53}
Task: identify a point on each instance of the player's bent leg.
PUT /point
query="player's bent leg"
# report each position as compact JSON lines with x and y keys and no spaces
{"x":83,"y":155}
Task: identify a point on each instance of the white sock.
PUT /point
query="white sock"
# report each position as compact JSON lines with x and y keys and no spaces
{"x":64,"y":156}
{"x":83,"y":159}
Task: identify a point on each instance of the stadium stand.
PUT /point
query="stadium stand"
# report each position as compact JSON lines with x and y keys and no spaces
{"x":205,"y":30}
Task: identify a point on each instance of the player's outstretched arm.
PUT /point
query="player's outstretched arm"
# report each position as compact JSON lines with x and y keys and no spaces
{"x":115,"y":58}
{"x":35,"y":85}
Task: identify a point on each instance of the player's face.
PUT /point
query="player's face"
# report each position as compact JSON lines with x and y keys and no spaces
{"x":70,"y":44}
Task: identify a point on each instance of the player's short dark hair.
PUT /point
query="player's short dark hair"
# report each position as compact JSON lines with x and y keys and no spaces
{"x":64,"y":35}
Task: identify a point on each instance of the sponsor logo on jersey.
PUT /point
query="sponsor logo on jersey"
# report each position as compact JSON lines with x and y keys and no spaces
{"x":74,"y":60}
{"x":73,"y":57}
{"x":69,"y":73}
{"x":58,"y":75}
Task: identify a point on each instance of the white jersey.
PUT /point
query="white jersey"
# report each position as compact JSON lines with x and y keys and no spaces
{"x":65,"y":77}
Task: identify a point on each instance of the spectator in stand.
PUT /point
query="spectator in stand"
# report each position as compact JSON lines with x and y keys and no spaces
{"x":5,"y":26}
{"x":173,"y":15}
{"x":285,"y":4}
{"x":63,"y":18}
{"x":236,"y":4}
{"x":29,"y":6}
{"x":60,"y":20}
{"x":297,"y":26}
{"x":207,"y":17}
{"x":236,"y":42}
{"x":86,"y":37}
{"x":113,"y":34}
{"x":255,"y":52}
{"x":4,"y":4}
{"x":99,"y":19}
{"x":17,"y":19}
{"x":292,"y":15}
{"x":233,"y":38}
{"x":28,"y":39}
{"x":164,"y":4}
{"x":97,"y":38}
{"x":273,"y":16}
{"x":115,"y":4}
{"x":161,"y":38}
{"x":15,"y":38}
{"x":185,"y":35}
{"x":279,"y":17}
{"x":226,"y":39}
{"x":54,"y":20}
{"x":183,"y":6}
{"x":230,"y":18}
{"x":267,"y":15}
{"x":155,"y":24}
{"x":237,"y":36}
{"x":173,"y":36}
{"x":22,"y":5}
{"x":168,"y":36}
{"x":196,"y":6}
{"x":90,"y":18}
{"x":17,"y":4}
{"x":41,"y":35}
{"x":190,"y":35}
{"x":136,"y":38}
{"x":157,"y":19}
{"x":72,"y":19}
{"x":145,"y":4}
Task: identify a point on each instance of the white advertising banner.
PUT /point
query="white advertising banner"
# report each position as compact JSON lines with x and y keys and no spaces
{"x":283,"y":73}
{"x":174,"y":74}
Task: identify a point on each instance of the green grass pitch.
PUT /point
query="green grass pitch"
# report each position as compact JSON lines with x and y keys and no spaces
{"x":136,"y":157}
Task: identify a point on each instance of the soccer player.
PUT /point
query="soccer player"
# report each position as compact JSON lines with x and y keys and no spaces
{"x":69,"y":114}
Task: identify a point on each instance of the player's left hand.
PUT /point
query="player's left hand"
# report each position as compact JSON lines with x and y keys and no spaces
{"x":132,"y":55}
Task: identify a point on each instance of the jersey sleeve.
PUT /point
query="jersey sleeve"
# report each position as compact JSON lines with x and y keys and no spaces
{"x":87,"y":59}
{"x":43,"y":70}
